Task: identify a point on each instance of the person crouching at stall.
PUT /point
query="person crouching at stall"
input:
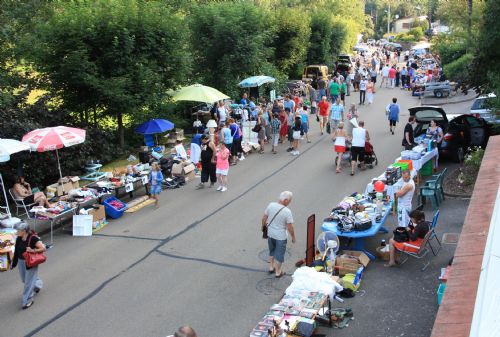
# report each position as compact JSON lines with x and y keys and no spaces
{"x":155,"y":179}
{"x":417,"y":230}
{"x":222,"y":167}
{"x":27,"y":241}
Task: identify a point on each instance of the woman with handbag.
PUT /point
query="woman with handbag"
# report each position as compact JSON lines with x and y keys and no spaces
{"x":416,"y":234}
{"x":28,"y":254}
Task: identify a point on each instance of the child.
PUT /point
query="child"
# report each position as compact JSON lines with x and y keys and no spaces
{"x":305,"y":122}
{"x":222,"y":166}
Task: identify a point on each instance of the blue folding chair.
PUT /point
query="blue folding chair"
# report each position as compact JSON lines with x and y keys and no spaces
{"x":433,"y":234}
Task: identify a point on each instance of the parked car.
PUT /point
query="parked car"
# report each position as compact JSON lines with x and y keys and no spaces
{"x":344,"y":63}
{"x":461,"y":133}
{"x":370,"y":42}
{"x":393,"y":46}
{"x":483,"y":107}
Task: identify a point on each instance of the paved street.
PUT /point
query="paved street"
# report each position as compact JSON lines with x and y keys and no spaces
{"x":199,"y":259}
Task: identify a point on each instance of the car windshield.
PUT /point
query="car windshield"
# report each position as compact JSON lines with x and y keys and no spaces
{"x":427,"y":115}
{"x":481,"y":103}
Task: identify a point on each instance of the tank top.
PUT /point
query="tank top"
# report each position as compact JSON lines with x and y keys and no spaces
{"x":405,"y":200}
{"x":358,"y":137}
{"x":339,"y":141}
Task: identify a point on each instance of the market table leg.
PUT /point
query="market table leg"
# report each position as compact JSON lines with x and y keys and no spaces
{"x":359,"y":245}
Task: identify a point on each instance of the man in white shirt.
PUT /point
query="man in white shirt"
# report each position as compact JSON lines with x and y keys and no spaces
{"x":359,"y":137}
{"x":385,"y":76}
{"x":405,"y":196}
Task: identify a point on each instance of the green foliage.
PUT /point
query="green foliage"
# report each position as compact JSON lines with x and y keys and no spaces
{"x":486,"y":65}
{"x":448,"y":48}
{"x":320,"y":47}
{"x":459,"y":69}
{"x":40,"y":169}
{"x":115,"y":55}
{"x":474,"y":158}
{"x":291,"y":41}
{"x":230,"y":42}
{"x":417,"y":32}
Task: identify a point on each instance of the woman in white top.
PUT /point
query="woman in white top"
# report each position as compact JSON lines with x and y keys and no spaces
{"x":221,"y":113}
{"x":339,"y":137}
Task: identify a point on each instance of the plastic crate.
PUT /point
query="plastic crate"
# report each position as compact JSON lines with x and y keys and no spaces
{"x":440,"y":292}
{"x":112,"y":212}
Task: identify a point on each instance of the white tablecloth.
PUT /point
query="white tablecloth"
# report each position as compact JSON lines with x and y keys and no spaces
{"x":417,"y":164}
{"x":390,"y":189}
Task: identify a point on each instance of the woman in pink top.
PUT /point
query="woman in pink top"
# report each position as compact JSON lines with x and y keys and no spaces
{"x":222,"y":166}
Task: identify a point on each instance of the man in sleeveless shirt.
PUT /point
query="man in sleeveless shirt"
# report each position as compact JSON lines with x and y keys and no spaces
{"x":359,"y":137}
{"x":405,"y":196}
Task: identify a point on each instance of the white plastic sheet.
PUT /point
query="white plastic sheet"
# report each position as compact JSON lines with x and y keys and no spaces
{"x":308,"y":279}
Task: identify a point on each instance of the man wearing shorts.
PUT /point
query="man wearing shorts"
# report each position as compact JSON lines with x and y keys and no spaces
{"x":336,"y":114}
{"x":279,"y":221}
{"x":324,"y":111}
{"x":359,"y":137}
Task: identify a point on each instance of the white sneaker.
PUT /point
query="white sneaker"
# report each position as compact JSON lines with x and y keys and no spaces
{"x":242,"y":157}
{"x":219,"y":188}
{"x":224,"y":189}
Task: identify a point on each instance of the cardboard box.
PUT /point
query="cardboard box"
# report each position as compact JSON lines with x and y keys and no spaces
{"x":188,"y":168}
{"x":54,"y":190}
{"x":98,"y":213}
{"x":191,"y":176}
{"x":350,"y":261}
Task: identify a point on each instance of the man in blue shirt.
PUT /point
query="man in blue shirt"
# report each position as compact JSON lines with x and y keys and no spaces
{"x":336,"y":115}
{"x":244,"y":100}
{"x":393,"y":114}
{"x":289,"y":103}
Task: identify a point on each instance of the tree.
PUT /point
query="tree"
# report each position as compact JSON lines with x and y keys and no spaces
{"x":291,"y":40}
{"x":113,"y":56}
{"x":230,"y":41}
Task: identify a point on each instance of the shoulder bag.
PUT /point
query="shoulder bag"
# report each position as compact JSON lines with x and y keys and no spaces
{"x":33,"y":259}
{"x":264,"y":227}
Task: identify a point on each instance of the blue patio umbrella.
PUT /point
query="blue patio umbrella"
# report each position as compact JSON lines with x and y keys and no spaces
{"x":154,"y":126}
{"x":256,"y":81}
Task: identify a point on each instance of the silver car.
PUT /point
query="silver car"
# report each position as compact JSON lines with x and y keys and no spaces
{"x":484,"y":107}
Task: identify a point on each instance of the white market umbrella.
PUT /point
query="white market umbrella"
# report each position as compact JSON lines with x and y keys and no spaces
{"x":8,"y":147}
{"x":54,"y":138}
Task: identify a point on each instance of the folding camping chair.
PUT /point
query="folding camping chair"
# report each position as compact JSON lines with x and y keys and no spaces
{"x":19,"y":202}
{"x":434,"y":235}
{"x":420,"y":254}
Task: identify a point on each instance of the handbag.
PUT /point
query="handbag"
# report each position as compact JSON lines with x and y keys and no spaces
{"x":328,"y":128}
{"x":257,"y":128}
{"x":33,"y":259}
{"x":264,"y":227}
{"x":401,"y":234}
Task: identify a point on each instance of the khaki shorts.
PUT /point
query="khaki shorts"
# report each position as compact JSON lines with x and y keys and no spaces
{"x":323,"y":119}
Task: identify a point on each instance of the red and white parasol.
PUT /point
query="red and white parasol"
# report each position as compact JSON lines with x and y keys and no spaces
{"x":54,"y":138}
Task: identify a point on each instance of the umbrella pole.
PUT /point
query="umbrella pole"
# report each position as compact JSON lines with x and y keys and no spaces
{"x":5,"y":196}
{"x":58,"y":163}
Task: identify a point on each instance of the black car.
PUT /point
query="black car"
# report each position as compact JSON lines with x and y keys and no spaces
{"x":460,"y":133}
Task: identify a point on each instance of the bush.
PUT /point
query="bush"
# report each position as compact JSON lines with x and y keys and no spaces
{"x":459,"y":69}
{"x":417,"y":32}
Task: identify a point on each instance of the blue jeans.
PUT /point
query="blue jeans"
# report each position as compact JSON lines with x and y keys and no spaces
{"x":277,"y":249}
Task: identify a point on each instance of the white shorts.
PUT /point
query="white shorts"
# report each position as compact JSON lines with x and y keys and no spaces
{"x":222,"y":172}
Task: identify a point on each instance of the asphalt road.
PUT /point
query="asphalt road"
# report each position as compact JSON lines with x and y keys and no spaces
{"x":199,"y":259}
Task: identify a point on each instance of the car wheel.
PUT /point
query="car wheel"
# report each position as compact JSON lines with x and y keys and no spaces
{"x":438,"y":93}
{"x":459,"y":155}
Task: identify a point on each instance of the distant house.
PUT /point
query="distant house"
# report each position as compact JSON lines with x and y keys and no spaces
{"x":405,"y":24}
